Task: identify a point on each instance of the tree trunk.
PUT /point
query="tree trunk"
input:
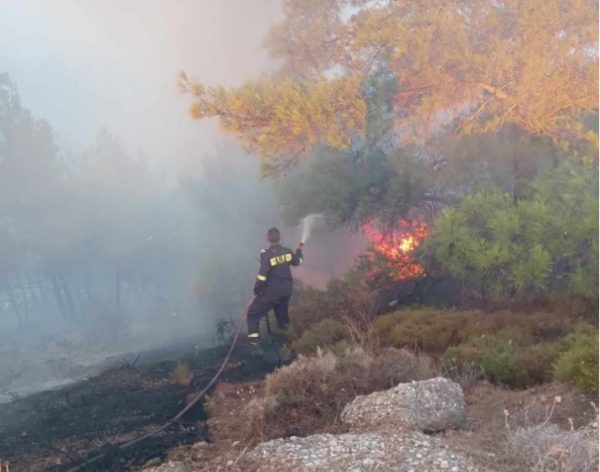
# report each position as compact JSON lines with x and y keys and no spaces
{"x":39,"y":280}
{"x":33,"y":288}
{"x":25,"y":296}
{"x":68,"y":297}
{"x":13,"y":303}
{"x":88,"y":291}
{"x":59,"y":296}
{"x":117,"y":290}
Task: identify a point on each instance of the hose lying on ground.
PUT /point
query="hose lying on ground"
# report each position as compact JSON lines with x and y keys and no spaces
{"x":179,"y":415}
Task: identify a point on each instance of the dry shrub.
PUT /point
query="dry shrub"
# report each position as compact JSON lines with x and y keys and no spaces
{"x":430,"y":330}
{"x":181,"y":374}
{"x":342,"y":300}
{"x":308,"y":395}
{"x":435,"y":330}
{"x":393,"y":366}
{"x":545,"y":447}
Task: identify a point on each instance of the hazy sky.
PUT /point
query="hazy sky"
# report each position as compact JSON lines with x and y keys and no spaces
{"x":88,"y":64}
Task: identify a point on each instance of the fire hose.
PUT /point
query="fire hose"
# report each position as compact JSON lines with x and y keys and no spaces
{"x":187,"y":408}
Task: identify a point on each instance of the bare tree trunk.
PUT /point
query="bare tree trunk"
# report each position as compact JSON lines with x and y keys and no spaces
{"x":117,"y":290}
{"x":59,"y":296}
{"x":39,"y":280}
{"x":13,"y":303}
{"x":68,"y":297}
{"x":88,"y":291}
{"x":33,"y":289}
{"x":25,"y":296}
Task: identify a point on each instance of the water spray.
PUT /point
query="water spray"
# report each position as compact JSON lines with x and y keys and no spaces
{"x":307,"y":225}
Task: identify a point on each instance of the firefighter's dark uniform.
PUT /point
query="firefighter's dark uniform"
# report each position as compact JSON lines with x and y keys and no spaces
{"x":273,"y":288}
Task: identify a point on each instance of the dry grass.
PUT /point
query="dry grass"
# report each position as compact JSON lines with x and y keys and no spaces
{"x":545,"y":447}
{"x":182,"y":374}
{"x":308,"y":395}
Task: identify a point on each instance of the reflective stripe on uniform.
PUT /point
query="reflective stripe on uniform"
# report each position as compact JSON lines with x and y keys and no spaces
{"x":253,"y":335}
{"x":262,"y":278}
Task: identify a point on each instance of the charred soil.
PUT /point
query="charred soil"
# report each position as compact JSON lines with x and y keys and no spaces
{"x":57,"y":430}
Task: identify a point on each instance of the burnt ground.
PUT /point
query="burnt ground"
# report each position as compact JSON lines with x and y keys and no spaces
{"x":56,"y":430}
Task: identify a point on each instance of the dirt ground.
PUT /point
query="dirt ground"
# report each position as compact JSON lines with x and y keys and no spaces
{"x":488,"y":404}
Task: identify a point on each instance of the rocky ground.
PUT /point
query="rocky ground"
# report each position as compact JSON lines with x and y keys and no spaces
{"x":391,"y":445}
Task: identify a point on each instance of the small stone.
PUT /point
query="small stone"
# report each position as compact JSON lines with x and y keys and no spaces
{"x":153,"y":462}
{"x":229,"y":463}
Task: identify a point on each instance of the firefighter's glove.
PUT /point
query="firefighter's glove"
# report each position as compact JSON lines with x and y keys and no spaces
{"x":259,"y":287}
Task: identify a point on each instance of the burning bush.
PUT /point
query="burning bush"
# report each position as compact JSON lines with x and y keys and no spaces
{"x":307,"y":395}
{"x":395,"y":248}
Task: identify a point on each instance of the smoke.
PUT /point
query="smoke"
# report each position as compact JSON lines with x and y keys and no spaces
{"x":146,"y":233}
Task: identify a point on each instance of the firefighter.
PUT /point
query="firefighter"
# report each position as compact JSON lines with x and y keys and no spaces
{"x":273,"y":287}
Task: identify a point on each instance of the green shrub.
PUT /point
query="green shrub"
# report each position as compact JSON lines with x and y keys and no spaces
{"x":495,"y":357}
{"x":499,"y":360}
{"x":435,"y":330}
{"x":539,"y":245}
{"x":538,"y":360}
{"x":323,"y":334}
{"x":430,"y":330}
{"x":578,"y":363}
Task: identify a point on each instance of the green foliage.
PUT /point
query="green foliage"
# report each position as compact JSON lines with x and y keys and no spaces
{"x":353,"y":189}
{"x":429,"y":330}
{"x":578,"y":363}
{"x":544,"y":243}
{"x":325,"y":333}
{"x":538,"y":359}
{"x":514,"y":356}
{"x":496,"y":356}
{"x":435,"y":330}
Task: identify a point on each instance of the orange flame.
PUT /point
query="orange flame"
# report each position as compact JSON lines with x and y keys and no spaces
{"x":397,"y":247}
